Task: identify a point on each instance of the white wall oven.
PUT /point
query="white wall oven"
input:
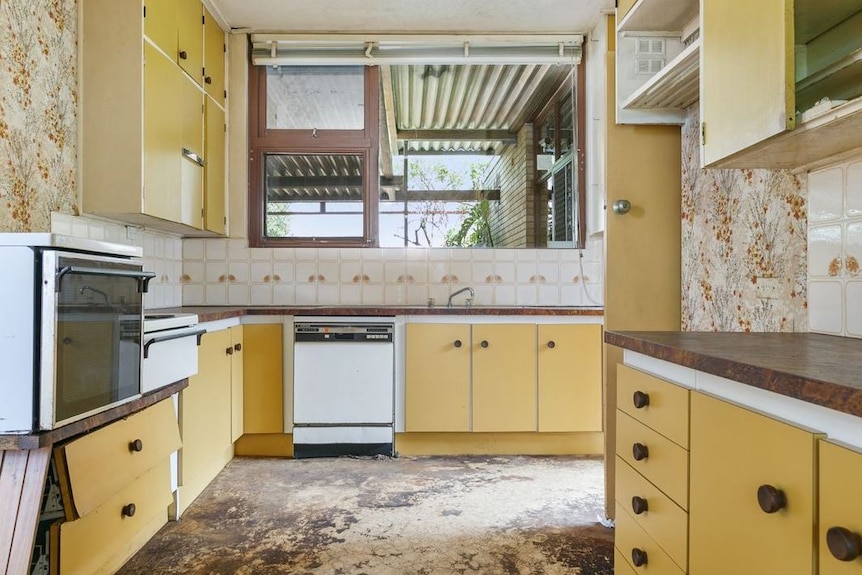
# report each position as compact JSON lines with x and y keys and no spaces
{"x":71,"y":317}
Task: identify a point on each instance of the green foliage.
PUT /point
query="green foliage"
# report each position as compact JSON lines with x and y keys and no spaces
{"x":475,"y":229}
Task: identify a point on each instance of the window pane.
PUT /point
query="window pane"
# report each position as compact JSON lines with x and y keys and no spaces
{"x":322,"y":97}
{"x":314,"y":196}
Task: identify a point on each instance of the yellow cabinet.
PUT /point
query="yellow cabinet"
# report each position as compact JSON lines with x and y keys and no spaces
{"x":214,"y":58}
{"x":840,"y":524}
{"x":438,"y":377}
{"x":214,"y":183}
{"x":263,"y":390}
{"x":504,"y":377}
{"x":190,"y":38}
{"x":658,"y":404}
{"x":570,"y":377}
{"x":640,"y":551}
{"x":752,"y":492}
{"x":237,"y":381}
{"x":160,"y":24}
{"x":192,"y":161}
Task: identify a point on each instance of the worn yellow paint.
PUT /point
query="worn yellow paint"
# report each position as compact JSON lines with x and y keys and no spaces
{"x":437,"y":390}
{"x":589,"y":443}
{"x":214,"y":55}
{"x":190,"y":38}
{"x":504,"y":377}
{"x":667,"y":412}
{"x":237,"y":371}
{"x":264,"y":391}
{"x":570,"y":377}
{"x":733,"y":452}
{"x":265,"y":445}
{"x":840,"y":501}
{"x":630,"y":535}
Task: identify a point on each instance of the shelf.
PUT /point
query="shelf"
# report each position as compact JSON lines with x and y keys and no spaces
{"x":659,"y":16}
{"x":840,"y":81}
{"x":674,"y":86}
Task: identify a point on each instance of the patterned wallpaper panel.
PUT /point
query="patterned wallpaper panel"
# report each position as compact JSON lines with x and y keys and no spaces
{"x":738,"y":226}
{"x":38,"y":100}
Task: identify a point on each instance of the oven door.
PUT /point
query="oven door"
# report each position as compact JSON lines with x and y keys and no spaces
{"x":91,"y":331}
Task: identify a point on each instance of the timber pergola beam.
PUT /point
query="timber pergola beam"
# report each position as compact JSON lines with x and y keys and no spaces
{"x":504,"y":136}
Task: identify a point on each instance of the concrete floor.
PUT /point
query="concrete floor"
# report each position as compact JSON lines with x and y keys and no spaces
{"x":400,"y":516}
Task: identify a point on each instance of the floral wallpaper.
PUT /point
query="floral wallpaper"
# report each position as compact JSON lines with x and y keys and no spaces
{"x":38,"y":100}
{"x":738,"y":226}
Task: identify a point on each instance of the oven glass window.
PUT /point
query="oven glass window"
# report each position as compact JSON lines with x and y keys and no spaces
{"x":98,"y":336}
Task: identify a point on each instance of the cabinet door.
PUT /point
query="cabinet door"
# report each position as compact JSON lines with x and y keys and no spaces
{"x":237,"y":371}
{"x":214,"y":184}
{"x":214,"y":55}
{"x":438,"y":377}
{"x":192,"y":149}
{"x":736,"y":454}
{"x":570,"y":377}
{"x":162,"y":136}
{"x":504,"y":377}
{"x":746,"y":73}
{"x":263,"y":395}
{"x":160,"y":24}
{"x":190,"y":38}
{"x":840,"y":508}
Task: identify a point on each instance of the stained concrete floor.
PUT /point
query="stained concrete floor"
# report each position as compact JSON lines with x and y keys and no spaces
{"x":391,"y":516}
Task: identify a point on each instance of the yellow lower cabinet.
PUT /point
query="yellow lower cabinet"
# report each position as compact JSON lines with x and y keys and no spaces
{"x":263,"y":395}
{"x":752,"y":495}
{"x":641,"y":553}
{"x":621,"y":566}
{"x":658,"y":404}
{"x":101,"y":541}
{"x":840,"y":537}
{"x":504,"y":377}
{"x":237,"y":362}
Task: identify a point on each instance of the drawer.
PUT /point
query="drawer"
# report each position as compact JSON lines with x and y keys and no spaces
{"x":102,"y":463}
{"x":840,"y":506}
{"x":104,"y":539}
{"x":621,"y":566}
{"x":664,"y":521}
{"x":630,"y":537}
{"x":666,"y":463}
{"x":661,"y":405}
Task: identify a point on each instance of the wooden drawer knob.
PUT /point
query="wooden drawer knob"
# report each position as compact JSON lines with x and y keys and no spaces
{"x":237,"y":347}
{"x":640,"y":451}
{"x":640,"y":399}
{"x":484,"y":343}
{"x":639,"y":557}
{"x":457,"y":343}
{"x":844,"y":544}
{"x":136,"y":446}
{"x":229,"y":351}
{"x":771,"y":499}
{"x":639,"y":505}
{"x":129,"y":510}
{"x":208,"y":80}
{"x":184,"y":55}
{"x":552,"y":344}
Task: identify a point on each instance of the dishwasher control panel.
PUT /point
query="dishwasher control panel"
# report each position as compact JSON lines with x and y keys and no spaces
{"x":344,"y":332}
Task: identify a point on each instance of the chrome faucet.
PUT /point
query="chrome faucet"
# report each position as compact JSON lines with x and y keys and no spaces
{"x":462,"y":290}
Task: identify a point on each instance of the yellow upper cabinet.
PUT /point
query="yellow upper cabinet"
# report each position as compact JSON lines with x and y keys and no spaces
{"x":160,"y":24}
{"x":214,"y":153}
{"x":190,"y":38}
{"x":191,"y":101}
{"x":214,"y":59}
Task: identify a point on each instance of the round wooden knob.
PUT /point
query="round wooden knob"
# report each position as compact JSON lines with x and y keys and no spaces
{"x":640,"y":399}
{"x":771,"y":499}
{"x":208,"y":80}
{"x":551,"y":344}
{"x":457,"y":343}
{"x":639,"y":505}
{"x":639,"y":557}
{"x":129,"y":510}
{"x":238,"y":347}
{"x":229,"y":351}
{"x":844,"y":544}
{"x":484,"y":343}
{"x":184,"y":55}
{"x":136,"y":445}
{"x":640,"y":451}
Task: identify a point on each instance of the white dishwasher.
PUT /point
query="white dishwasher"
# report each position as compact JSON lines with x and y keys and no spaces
{"x":343,"y":387}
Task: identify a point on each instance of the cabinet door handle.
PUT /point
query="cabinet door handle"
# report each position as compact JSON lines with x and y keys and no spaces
{"x":771,"y":499}
{"x":639,"y":557}
{"x":136,"y":446}
{"x":129,"y":510}
{"x":845,"y":545}
{"x":640,"y":399}
{"x":640,"y":451}
{"x":238,"y":346}
{"x":208,"y":80}
{"x":639,"y":505}
{"x":484,"y":343}
{"x":184,"y":55}
{"x":457,"y":343}
{"x":229,"y":351}
{"x":193,"y":157}
{"x":551,"y":344}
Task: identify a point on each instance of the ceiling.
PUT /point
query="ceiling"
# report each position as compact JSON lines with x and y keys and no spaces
{"x":406,"y":16}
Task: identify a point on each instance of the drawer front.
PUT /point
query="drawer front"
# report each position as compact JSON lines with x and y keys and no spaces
{"x":666,"y":409}
{"x":102,"y":463}
{"x":621,"y":566}
{"x":105,"y":538}
{"x":631,"y":539}
{"x":840,"y":508}
{"x":666,"y":463}
{"x":664,"y":521}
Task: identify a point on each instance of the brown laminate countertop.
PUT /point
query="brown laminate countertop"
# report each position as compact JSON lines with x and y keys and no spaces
{"x":212,"y":313}
{"x":820,"y":369}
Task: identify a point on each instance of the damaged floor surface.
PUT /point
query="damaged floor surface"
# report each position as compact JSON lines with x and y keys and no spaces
{"x":422,"y":516}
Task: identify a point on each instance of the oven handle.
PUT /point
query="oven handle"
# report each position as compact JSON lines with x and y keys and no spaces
{"x":142,"y":276}
{"x":168,"y":337}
